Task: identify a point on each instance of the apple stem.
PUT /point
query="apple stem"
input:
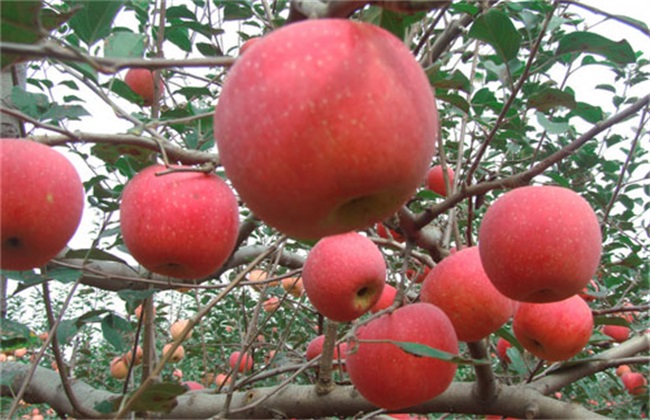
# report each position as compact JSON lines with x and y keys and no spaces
{"x":325,"y":384}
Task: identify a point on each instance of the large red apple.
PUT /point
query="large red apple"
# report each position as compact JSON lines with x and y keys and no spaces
{"x":141,"y":81}
{"x":459,"y":286}
{"x":41,"y":202}
{"x":391,"y":378}
{"x":180,"y":224}
{"x":436,"y":180}
{"x":554,"y":331}
{"x":326,"y":126}
{"x":540,"y":244}
{"x":344,"y":276}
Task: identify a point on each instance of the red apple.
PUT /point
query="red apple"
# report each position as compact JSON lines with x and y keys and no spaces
{"x":180,"y":224}
{"x":459,"y":286}
{"x":334,"y":116}
{"x":141,"y":82}
{"x":635,"y":383}
{"x":540,"y":244}
{"x":139,"y":354}
{"x":554,"y":331}
{"x":386,"y":299}
{"x":502,"y":349}
{"x":177,"y":328}
{"x":41,"y":202}
{"x":344,"y":276}
{"x":387,"y":233}
{"x":618,"y":333}
{"x":436,"y":180}
{"x":622,"y":370}
{"x":192,"y":386}
{"x":247,"y":44}
{"x":271,"y":304}
{"x":293,"y":286}
{"x":178,"y":354}
{"x":315,"y":348}
{"x":118,"y":368}
{"x":418,"y":275}
{"x":245,"y":364}
{"x":222,"y":379}
{"x":391,"y":378}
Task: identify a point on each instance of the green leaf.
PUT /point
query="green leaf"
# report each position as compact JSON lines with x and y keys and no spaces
{"x":160,"y":397}
{"x":64,"y":274}
{"x":423,"y":350}
{"x":237,"y":10}
{"x":94,"y":19}
{"x":132,"y":297}
{"x":179,"y":37}
{"x":64,"y":112}
{"x":549,"y":98}
{"x":14,"y":335}
{"x":180,"y":12}
{"x":193,"y":92}
{"x":454,"y":99}
{"x":397,"y":23}
{"x":576,"y":42}
{"x":94,"y":254}
{"x":552,"y":127}
{"x":125,"y":45}
{"x":587,"y":112}
{"x":208,"y":50}
{"x":496,"y":29}
{"x":117,"y":332}
{"x":32,"y":104}
{"x":443,"y":80}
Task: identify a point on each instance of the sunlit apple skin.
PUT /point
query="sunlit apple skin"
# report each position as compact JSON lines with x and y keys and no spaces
{"x":391,"y":378}
{"x":554,"y":331}
{"x":344,"y":276}
{"x":141,"y":82}
{"x":181,"y":224}
{"x":459,"y":286}
{"x":41,"y":203}
{"x":436,"y":181}
{"x":335,"y":117}
{"x":540,"y":243}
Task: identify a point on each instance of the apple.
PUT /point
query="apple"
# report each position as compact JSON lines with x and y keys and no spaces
{"x":260,"y":276}
{"x":618,"y":333}
{"x":41,"y":203}
{"x":418,"y":276}
{"x":459,"y":286}
{"x":635,"y":383}
{"x":222,"y":379}
{"x":192,"y":386}
{"x":540,"y":244}
{"x":141,"y":81}
{"x":178,"y":354}
{"x":20,"y":353}
{"x":586,"y":293}
{"x":386,"y":299}
{"x":247,"y":44}
{"x":388,"y":376}
{"x":139,"y":354}
{"x":177,"y":328}
{"x":502,"y":349}
{"x":179,"y":224}
{"x":336,"y":117}
{"x":554,"y":331}
{"x":293,"y":286}
{"x":245,"y":364}
{"x":344,"y":276}
{"x":271,"y":304}
{"x":138,"y":312}
{"x":436,"y":180}
{"x":622,"y":370}
{"x":315,"y":348}
{"x":119,"y":368}
{"x":387,"y":233}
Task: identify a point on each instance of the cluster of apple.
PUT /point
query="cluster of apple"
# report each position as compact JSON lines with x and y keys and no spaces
{"x":634,"y":382}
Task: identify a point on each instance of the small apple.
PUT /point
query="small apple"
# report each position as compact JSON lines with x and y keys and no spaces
{"x":139,"y":354}
{"x":141,"y":81}
{"x":344,"y":276}
{"x":540,"y":244}
{"x":192,"y":386}
{"x":459,"y":286}
{"x":554,"y":331}
{"x":502,"y":349}
{"x":245,"y":364}
{"x":271,"y":304}
{"x":293,"y":286}
{"x":635,"y":383}
{"x":618,"y":333}
{"x":177,"y":328}
{"x":222,"y":380}
{"x":622,"y":370}
{"x":178,"y":354}
{"x":315,"y":348}
{"x":41,"y":202}
{"x":20,"y":353}
{"x":138,"y":312}
{"x":436,"y":180}
{"x":345,"y":131}
{"x":118,"y":368}
{"x":388,"y":376}
{"x":387,"y":233}
{"x":385,"y":300}
{"x":179,"y":224}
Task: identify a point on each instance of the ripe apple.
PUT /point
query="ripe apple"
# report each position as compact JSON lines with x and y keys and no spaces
{"x":141,"y":82}
{"x":138,"y":312}
{"x":41,"y":202}
{"x":502,"y":349}
{"x":245,"y":364}
{"x":177,"y":328}
{"x":459,"y":286}
{"x":139,"y":354}
{"x":386,"y":299}
{"x":436,"y":180}
{"x":618,"y":333}
{"x":260,"y":276}
{"x":391,"y":378}
{"x":293,"y":286}
{"x":222,"y":379}
{"x":338,"y":114}
{"x":344,"y":276}
{"x":418,"y":275}
{"x":622,"y":370}
{"x":271,"y":304}
{"x":119,"y":368}
{"x":192,"y":386}
{"x":315,"y":348}
{"x":554,"y":331}
{"x":180,"y":224}
{"x":178,"y":354}
{"x":387,"y":233}
{"x":540,"y":244}
{"x":247,"y":44}
{"x":635,"y":383}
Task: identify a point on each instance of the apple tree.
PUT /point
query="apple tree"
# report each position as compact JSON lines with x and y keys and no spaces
{"x":226,"y":149}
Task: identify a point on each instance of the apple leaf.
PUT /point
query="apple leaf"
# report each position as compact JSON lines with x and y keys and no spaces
{"x":117,"y":331}
{"x":14,"y":335}
{"x":125,"y":45}
{"x":64,"y":275}
{"x":423,"y":350}
{"x":576,"y":42}
{"x":496,"y":29}
{"x":160,"y":397}
{"x":549,"y":98}
{"x":94,"y":19}
{"x":552,"y":126}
